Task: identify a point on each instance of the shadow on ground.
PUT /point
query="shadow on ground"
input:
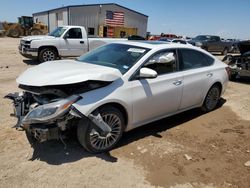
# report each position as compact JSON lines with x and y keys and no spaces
{"x":31,"y":62}
{"x":55,"y":152}
{"x":155,"y":128}
{"x":243,"y":80}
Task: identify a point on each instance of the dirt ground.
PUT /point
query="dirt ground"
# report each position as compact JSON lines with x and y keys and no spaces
{"x":189,"y":150}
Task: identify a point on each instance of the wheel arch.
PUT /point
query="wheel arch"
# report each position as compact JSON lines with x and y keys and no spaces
{"x":48,"y":46}
{"x":119,"y":107}
{"x":219,"y":84}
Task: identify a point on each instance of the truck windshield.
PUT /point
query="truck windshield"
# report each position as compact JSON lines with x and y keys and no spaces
{"x":202,"y":37}
{"x":119,"y":56}
{"x":57,"y":32}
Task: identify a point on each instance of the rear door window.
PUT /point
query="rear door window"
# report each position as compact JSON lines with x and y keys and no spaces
{"x":191,"y":59}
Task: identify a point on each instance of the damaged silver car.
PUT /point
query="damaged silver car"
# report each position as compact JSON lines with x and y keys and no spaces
{"x":115,"y":88}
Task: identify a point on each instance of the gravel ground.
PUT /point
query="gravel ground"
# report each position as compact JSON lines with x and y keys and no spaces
{"x":189,"y":150}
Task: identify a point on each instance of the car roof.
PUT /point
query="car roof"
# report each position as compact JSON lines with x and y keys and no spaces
{"x":156,"y":44}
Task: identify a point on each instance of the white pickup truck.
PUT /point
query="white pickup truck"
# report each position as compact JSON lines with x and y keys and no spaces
{"x":65,"y":41}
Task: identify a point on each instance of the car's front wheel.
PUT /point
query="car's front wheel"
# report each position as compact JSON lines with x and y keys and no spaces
{"x":92,"y":139}
{"x":212,"y":99}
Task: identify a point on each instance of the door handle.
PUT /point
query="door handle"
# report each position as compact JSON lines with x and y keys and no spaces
{"x":178,"y":82}
{"x":209,"y":74}
{"x":82,"y":42}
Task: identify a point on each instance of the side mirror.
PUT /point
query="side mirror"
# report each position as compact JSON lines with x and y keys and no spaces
{"x":147,"y":73}
{"x":167,"y":58}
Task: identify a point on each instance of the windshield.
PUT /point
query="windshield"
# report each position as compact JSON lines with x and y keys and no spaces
{"x":202,"y":37}
{"x":57,"y":32}
{"x":119,"y":56}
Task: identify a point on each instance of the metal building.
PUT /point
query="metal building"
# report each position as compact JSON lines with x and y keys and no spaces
{"x":103,"y":20}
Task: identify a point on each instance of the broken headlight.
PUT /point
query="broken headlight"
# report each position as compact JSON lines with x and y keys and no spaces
{"x":49,"y":112}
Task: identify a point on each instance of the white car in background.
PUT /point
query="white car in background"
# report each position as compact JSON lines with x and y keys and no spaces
{"x":116,"y":88}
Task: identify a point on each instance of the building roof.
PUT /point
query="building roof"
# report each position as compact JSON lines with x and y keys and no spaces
{"x":71,"y":6}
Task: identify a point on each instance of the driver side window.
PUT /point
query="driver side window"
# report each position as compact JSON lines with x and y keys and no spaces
{"x":74,"y":33}
{"x":163,"y":62}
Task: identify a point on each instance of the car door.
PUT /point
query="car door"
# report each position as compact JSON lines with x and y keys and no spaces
{"x":197,"y":76}
{"x":153,"y":98}
{"x":73,"y":43}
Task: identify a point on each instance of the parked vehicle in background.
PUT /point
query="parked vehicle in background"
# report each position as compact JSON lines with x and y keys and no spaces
{"x":170,"y":36}
{"x":135,"y":37}
{"x":211,"y":43}
{"x":175,"y":40}
{"x":157,"y":37}
{"x":24,"y":27}
{"x":65,"y":41}
{"x":2,"y":30}
{"x":239,"y":65}
{"x":165,"y":39}
{"x":154,"y":37}
{"x":234,"y":43}
{"x":115,"y":88}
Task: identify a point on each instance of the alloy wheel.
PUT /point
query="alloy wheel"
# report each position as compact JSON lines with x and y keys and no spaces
{"x":48,"y":56}
{"x":100,"y":142}
{"x":212,"y":98}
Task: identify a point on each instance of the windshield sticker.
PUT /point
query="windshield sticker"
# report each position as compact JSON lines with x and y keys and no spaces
{"x":136,"y":50}
{"x":125,"y":67}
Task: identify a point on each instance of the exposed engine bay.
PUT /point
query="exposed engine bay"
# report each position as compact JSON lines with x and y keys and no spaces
{"x":239,"y":65}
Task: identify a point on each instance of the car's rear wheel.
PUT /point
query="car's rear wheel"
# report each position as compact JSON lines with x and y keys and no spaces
{"x":47,"y":54}
{"x":212,"y":99}
{"x":94,"y":141}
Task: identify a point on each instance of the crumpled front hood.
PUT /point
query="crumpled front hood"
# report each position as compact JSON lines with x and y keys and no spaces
{"x":37,"y":37}
{"x":66,"y":72}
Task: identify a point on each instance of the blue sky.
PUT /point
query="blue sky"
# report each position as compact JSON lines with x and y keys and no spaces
{"x":227,"y":18}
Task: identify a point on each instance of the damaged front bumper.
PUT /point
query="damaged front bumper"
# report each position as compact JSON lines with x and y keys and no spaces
{"x":48,"y":121}
{"x":18,"y":100}
{"x":42,"y":121}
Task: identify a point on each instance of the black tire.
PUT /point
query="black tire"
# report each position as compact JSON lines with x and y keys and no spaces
{"x":36,"y":32}
{"x":88,"y":137}
{"x":14,"y":33}
{"x":225,"y":51}
{"x":212,"y":99}
{"x":47,"y":54}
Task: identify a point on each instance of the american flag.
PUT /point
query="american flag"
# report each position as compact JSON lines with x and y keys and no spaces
{"x":114,"y":18}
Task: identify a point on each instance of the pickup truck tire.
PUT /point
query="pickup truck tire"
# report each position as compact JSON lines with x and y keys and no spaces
{"x":95,"y":142}
{"x":47,"y":54}
{"x":225,"y":51}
